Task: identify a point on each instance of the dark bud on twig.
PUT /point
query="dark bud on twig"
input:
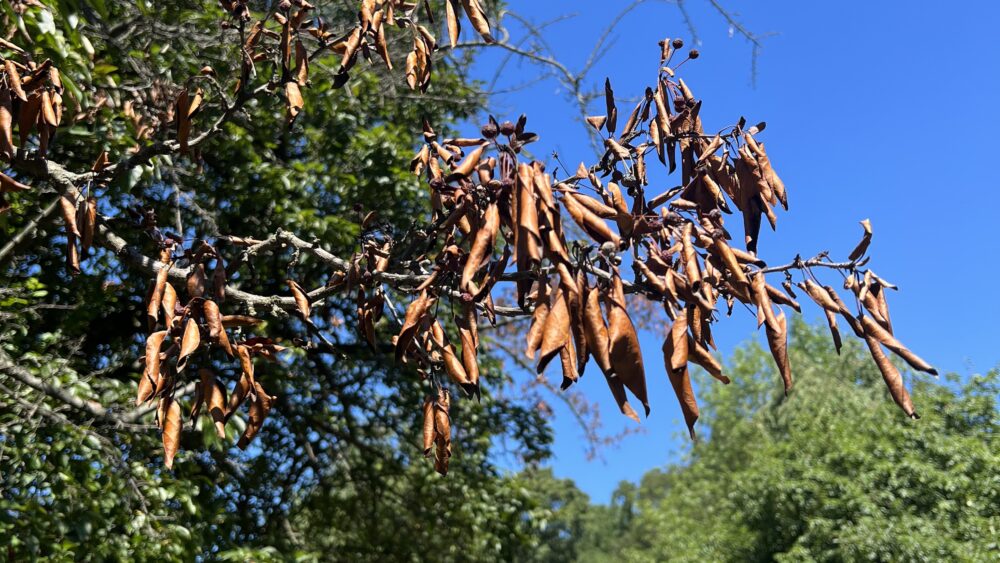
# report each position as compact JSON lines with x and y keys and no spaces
{"x":507,"y":128}
{"x":694,"y":54}
{"x":489,"y":131}
{"x":677,"y":43}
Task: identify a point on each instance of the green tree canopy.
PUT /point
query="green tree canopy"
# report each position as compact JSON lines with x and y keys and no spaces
{"x":830,"y":473}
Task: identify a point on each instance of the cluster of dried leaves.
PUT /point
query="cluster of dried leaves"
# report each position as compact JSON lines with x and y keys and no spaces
{"x":31,"y":100}
{"x":492,"y":211}
{"x":187,"y":332}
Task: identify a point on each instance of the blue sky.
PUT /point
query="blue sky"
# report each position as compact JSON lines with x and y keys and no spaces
{"x":880,"y":110}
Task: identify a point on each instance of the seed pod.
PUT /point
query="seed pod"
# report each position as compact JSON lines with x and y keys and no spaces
{"x":87,"y":223}
{"x":190,"y":341}
{"x":151,"y":375}
{"x":69,"y":216}
{"x":259,"y":409}
{"x":626,"y":355}
{"x":893,"y":380}
{"x":866,"y":239}
{"x":820,"y":296}
{"x":454,"y":24}
{"x":414,"y":315}
{"x":213,"y":318}
{"x":170,"y":423}
{"x":593,"y":225}
{"x":293,"y":100}
{"x":678,"y":344}
{"x":156,"y":296}
{"x":680,"y":378}
{"x":777,"y":340}
{"x":229,"y":321}
{"x":442,"y":432}
{"x":8,"y":184}
{"x":169,"y":303}
{"x":477,"y":16}
{"x":876,"y":331}
{"x":700,"y":355}
{"x":7,"y":148}
{"x":482,"y":246}
{"x":765,"y":314}
{"x":301,"y":300}
{"x":468,"y":164}
{"x":214,"y":396}
{"x":196,"y":281}
{"x":556,"y":332}
{"x":782,"y":299}
{"x":243,"y":386}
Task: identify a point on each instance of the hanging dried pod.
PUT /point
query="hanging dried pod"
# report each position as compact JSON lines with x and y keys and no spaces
{"x":680,"y":378}
{"x":170,"y":425}
{"x":862,"y":246}
{"x":892,"y":377}
{"x":301,"y":300}
{"x":259,"y":409}
{"x":626,"y":356}
{"x":777,"y":340}
{"x":190,"y":341}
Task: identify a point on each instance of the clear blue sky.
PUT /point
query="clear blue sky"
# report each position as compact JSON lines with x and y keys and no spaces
{"x":880,"y":110}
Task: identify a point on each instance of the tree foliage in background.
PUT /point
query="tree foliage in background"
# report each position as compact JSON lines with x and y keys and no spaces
{"x":827,"y":474}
